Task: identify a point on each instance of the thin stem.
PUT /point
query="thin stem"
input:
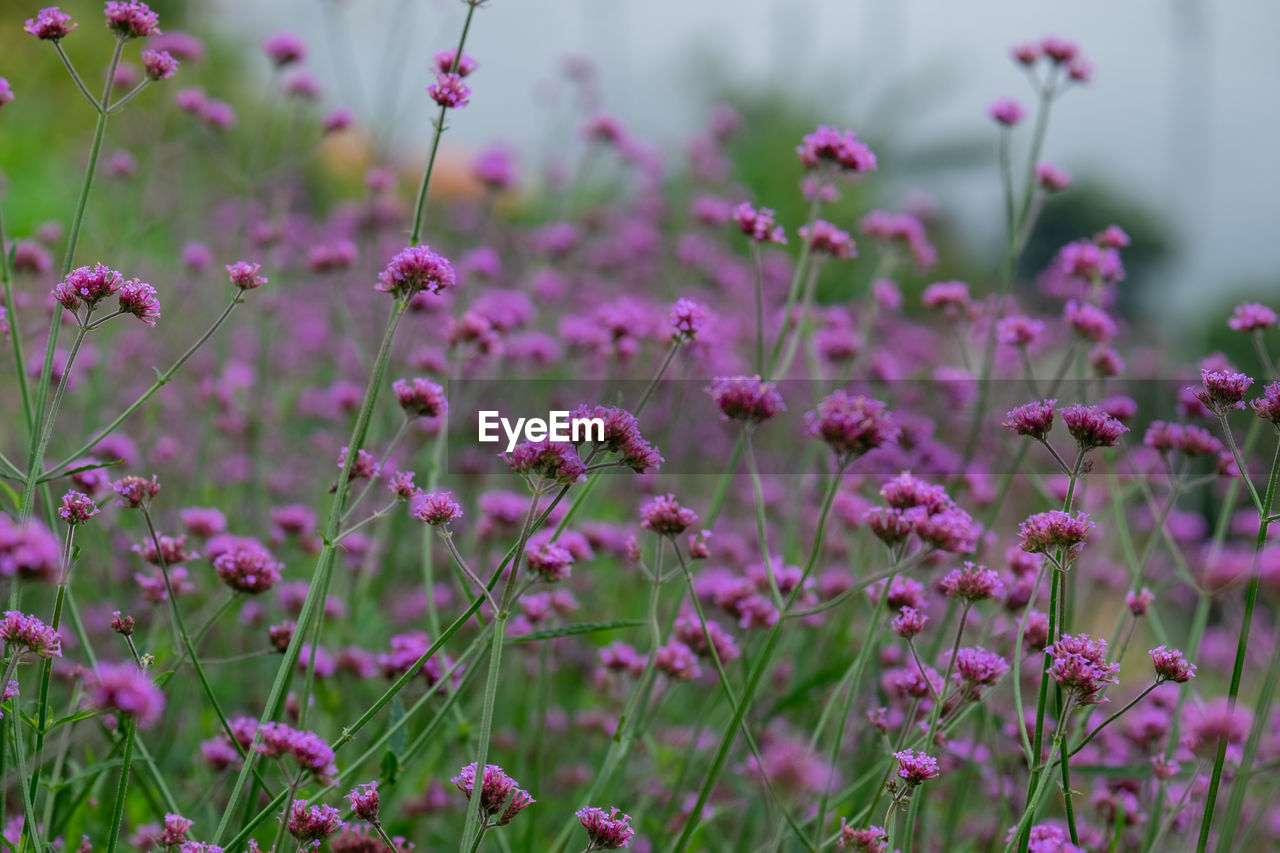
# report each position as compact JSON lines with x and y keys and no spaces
{"x":46,"y":427}
{"x":133,"y":93}
{"x":466,"y":569}
{"x":161,"y":381}
{"x":73,"y":240}
{"x":75,"y":75}
{"x":757,"y":271}
{"x":1236,"y":801}
{"x":117,"y":813}
{"x":15,"y":339}
{"x":1109,"y":720}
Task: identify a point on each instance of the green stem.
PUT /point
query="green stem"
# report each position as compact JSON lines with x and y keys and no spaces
{"x":1262,"y":714}
{"x":161,"y":381}
{"x":117,"y":813}
{"x":46,"y":427}
{"x":15,"y":334}
{"x":313,"y":605}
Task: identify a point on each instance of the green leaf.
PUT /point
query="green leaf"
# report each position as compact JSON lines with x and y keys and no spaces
{"x":13,"y":496}
{"x":390,"y":768}
{"x":572,"y":630}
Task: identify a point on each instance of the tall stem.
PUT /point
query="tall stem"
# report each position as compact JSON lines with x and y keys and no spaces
{"x":312,"y":605}
{"x":117,"y":812}
{"x":73,"y":240}
{"x":15,"y":338}
{"x":1237,"y":672}
{"x":36,"y":459}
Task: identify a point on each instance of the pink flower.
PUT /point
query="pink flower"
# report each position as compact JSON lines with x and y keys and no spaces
{"x":284,"y":49}
{"x":840,"y":149}
{"x":50,"y":24}
{"x":1251,"y":317}
{"x":746,"y":398}
{"x":139,"y":299}
{"x":1006,"y":111}
{"x":1171,"y":665}
{"x":605,"y":831}
{"x":665,"y":516}
{"x":449,"y":91}
{"x":131,"y":19}
{"x":438,"y":508}
{"x":851,"y":425}
{"x":1033,"y":419}
{"x":414,"y":269}
{"x":916,"y":767}
{"x":159,"y":64}
{"x":125,"y":689}
{"x":244,"y":275}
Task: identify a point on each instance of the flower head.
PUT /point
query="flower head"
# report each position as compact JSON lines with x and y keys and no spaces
{"x":416,"y":268}
{"x":132,"y":19}
{"x":420,"y":398}
{"x":448,"y":61}
{"x":31,"y":634}
{"x":1251,"y":317}
{"x":247,"y":567}
{"x":1033,"y":419}
{"x":125,"y":689}
{"x":244,"y":275}
{"x":1267,"y":406}
{"x":77,"y":508}
{"x":437,"y":508}
{"x":159,"y":64}
{"x":1092,"y":427}
{"x":977,"y":667}
{"x":88,"y":285}
{"x":870,"y":839}
{"x":746,"y":398}
{"x":1171,"y":665}
{"x":312,"y":824}
{"x":687,"y":319}
{"x":916,"y":767}
{"x":972,"y":583}
{"x":1046,"y":531}
{"x":908,"y":623}
{"x":838,"y":149}
{"x":605,"y":831}
{"x":1080,"y":666}
{"x":284,"y":49}
{"x":665,"y":516}
{"x":139,"y":299}
{"x":553,"y":460}
{"x":851,"y":425}
{"x":758,"y":224}
{"x":827,"y":239}
{"x":1006,"y":111}
{"x":364,"y":801}
{"x":501,"y":797}
{"x":1223,"y":390}
{"x":449,"y":91}
{"x":50,"y":24}
{"x":136,"y":492}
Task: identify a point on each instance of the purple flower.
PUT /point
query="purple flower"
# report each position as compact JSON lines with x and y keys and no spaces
{"x":1090,"y":321}
{"x":1251,"y":317}
{"x":284,"y":49}
{"x":364,"y":801}
{"x":77,"y":508}
{"x":1223,"y":390}
{"x":1019,"y":330}
{"x":851,"y":425}
{"x":159,"y":64}
{"x":50,"y":24}
{"x":1080,"y":666}
{"x":1033,"y":419}
{"x":501,"y":797}
{"x":175,"y":830}
{"x":413,"y":269}
{"x":916,"y":767}
{"x":1051,"y":178}
{"x":312,"y":824}
{"x":977,"y":667}
{"x":139,"y":299}
{"x":758,"y":224}
{"x":551,"y":561}
{"x":827,"y":239}
{"x":308,"y":749}
{"x":132,"y":19}
{"x":1267,"y":406}
{"x":245,"y":276}
{"x":870,"y":839}
{"x":420,"y":398}
{"x":1171,"y":665}
{"x":665,"y":516}
{"x":908,"y":623}
{"x":1092,"y":427}
{"x":1046,"y":531}
{"x":839,"y":149}
{"x":449,"y":91}
{"x":136,"y":492}
{"x":438,"y":508}
{"x":125,"y":689}
{"x":972,"y":583}
{"x":746,"y":398}
{"x":553,"y":460}
{"x":444,"y":61}
{"x":1006,"y":111}
{"x":365,"y":467}
{"x":495,"y":168}
{"x":605,"y":831}
{"x":677,"y":661}
{"x":687,"y":319}
{"x":247,"y":567}
{"x":88,"y":285}
{"x":1138,"y":602}
{"x":30,"y":633}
